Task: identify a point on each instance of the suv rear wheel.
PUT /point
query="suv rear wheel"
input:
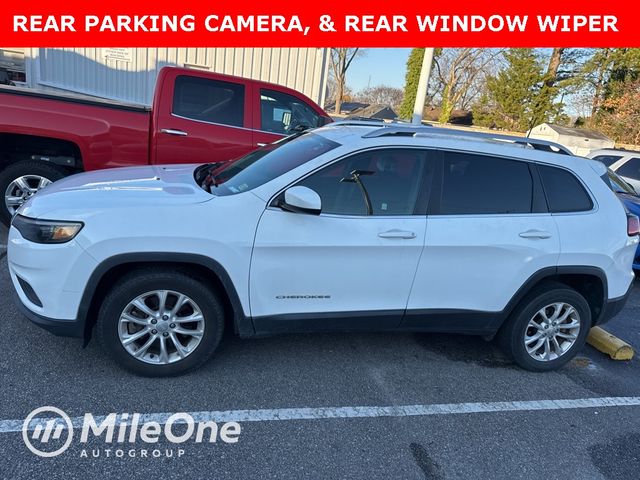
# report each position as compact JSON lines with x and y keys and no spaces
{"x":160,"y":323}
{"x":547,"y":329}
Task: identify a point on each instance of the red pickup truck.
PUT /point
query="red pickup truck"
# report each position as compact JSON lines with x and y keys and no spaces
{"x":196,"y":117}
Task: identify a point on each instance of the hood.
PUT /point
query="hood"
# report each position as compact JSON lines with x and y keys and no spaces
{"x":165,"y":185}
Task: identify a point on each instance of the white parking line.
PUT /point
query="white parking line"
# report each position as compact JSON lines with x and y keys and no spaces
{"x":323,"y":413}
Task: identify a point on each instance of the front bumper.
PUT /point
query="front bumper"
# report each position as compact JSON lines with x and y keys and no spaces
{"x":49,"y":281}
{"x":62,"y":328}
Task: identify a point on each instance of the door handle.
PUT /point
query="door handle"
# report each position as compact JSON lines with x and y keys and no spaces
{"x":260,"y":144}
{"x":171,"y":131}
{"x":397,"y":234}
{"x":535,"y":234}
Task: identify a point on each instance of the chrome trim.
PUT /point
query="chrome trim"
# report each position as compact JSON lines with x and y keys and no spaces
{"x":227,"y":126}
{"x":171,"y":131}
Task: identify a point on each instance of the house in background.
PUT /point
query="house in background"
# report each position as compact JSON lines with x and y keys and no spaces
{"x":380,"y":112}
{"x":129,"y":74}
{"x":362,"y":110}
{"x":579,"y":140}
{"x":346,"y":108}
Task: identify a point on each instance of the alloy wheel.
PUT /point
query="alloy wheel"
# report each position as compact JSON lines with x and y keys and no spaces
{"x":552,"y":331}
{"x":161,"y":327}
{"x":22,"y":189}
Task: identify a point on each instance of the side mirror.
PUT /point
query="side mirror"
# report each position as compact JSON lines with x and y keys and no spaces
{"x":301,"y":199}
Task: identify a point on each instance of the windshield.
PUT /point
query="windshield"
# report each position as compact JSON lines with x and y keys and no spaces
{"x":266,"y":163}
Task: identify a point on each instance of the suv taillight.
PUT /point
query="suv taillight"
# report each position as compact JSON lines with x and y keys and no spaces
{"x":633,"y":225}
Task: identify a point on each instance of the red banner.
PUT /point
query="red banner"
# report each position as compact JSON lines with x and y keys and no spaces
{"x":544,"y":23}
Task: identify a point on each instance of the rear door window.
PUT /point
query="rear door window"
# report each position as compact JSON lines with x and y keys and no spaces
{"x":207,"y":100}
{"x":479,"y":184}
{"x":564,"y":191}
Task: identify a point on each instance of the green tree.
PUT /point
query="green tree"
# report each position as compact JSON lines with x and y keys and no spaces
{"x":520,"y":96}
{"x":412,"y":78}
{"x":608,"y":73}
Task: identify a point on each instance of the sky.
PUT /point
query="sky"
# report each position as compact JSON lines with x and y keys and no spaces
{"x":378,"y":66}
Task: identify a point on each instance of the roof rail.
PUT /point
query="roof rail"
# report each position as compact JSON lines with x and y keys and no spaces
{"x":363,"y":122}
{"x":428,"y":131}
{"x":405,"y":130}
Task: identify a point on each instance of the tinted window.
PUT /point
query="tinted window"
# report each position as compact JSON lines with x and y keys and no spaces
{"x":475,"y":184}
{"x":391,"y":178}
{"x":209,"y":100}
{"x":282,"y":113}
{"x":267,"y":163}
{"x":564,"y":191}
{"x":608,"y":160}
{"x":630,"y":169}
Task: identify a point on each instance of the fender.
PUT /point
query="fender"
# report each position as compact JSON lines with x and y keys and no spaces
{"x":242,"y":324}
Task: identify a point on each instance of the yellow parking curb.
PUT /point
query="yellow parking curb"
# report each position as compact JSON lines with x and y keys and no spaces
{"x":609,"y":344}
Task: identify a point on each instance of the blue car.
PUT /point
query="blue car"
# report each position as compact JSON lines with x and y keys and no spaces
{"x":627,"y":194}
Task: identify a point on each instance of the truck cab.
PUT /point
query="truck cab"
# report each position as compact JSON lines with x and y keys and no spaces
{"x":196,"y":117}
{"x":201,"y":117}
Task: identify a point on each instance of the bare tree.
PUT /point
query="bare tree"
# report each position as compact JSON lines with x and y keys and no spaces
{"x":460,"y":73}
{"x":341,"y":59}
{"x":381,"y":95}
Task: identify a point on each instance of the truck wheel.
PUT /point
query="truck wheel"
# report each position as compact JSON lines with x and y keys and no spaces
{"x":547,"y":329}
{"x":19,"y":181}
{"x":158,"y":322}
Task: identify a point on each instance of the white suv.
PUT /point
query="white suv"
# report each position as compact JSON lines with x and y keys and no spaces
{"x":625,"y":163}
{"x":353,"y":226}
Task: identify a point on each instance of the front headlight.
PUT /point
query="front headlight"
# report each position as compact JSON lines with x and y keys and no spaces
{"x":46,"y":231}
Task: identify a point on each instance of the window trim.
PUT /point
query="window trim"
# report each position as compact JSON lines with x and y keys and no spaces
{"x":432,"y":203}
{"x":420,"y":211}
{"x":226,"y":126}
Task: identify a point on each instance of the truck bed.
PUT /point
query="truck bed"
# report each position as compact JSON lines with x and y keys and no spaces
{"x":106,"y":133}
{"x":74,"y":98}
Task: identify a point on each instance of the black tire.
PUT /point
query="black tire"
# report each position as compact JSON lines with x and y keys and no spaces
{"x":511,"y":335}
{"x":141,"y":281}
{"x":19,"y":169}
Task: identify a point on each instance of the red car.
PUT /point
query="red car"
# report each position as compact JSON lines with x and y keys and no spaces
{"x":196,"y":117}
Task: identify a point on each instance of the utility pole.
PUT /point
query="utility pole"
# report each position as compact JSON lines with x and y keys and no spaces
{"x":421,"y":94}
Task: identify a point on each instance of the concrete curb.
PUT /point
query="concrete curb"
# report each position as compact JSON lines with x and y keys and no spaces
{"x":611,"y":345}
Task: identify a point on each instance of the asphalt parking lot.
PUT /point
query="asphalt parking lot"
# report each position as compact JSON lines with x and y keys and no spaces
{"x":439,"y":373}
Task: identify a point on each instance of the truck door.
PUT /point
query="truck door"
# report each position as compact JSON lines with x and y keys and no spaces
{"x":202,"y":118}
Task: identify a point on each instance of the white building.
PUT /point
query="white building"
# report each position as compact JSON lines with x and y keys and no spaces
{"x":579,"y":140}
{"x":129,"y":74}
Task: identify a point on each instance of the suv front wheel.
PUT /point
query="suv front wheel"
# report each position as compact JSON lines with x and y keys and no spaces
{"x":547,"y":329}
{"x":160,"y":323}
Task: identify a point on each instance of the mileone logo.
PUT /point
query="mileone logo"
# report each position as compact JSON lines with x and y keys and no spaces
{"x":48,"y":432}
